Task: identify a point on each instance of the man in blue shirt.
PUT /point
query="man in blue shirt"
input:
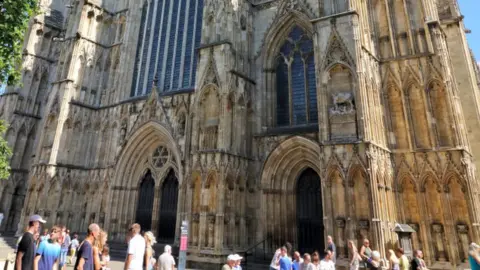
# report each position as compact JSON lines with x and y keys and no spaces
{"x":285,"y":261}
{"x":48,"y":252}
{"x":85,"y":251}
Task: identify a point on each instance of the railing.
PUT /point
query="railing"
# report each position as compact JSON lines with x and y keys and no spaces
{"x":260,"y":252}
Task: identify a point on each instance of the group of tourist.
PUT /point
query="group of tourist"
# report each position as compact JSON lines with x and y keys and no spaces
{"x":366,"y":258}
{"x":140,"y":252}
{"x":50,"y":250}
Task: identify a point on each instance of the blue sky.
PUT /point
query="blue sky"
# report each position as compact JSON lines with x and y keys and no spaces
{"x":470,"y":9}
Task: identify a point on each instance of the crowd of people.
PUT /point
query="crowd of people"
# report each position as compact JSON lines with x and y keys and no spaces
{"x":366,"y":258}
{"x":50,"y":250}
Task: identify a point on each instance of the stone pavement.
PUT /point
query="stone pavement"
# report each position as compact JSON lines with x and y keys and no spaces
{"x":114,"y":265}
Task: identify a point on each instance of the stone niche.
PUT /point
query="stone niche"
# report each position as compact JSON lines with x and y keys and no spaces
{"x":342,"y":111}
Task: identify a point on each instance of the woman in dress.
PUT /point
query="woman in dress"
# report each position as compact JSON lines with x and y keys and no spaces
{"x":149,"y":253}
{"x":394,"y":261}
{"x":98,"y":246}
{"x":354,"y":257}
{"x":474,"y":256}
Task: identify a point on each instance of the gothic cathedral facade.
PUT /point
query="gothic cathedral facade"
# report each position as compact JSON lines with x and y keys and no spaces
{"x":257,"y":121}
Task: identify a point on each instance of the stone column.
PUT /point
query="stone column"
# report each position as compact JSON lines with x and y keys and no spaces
{"x":327,"y":208}
{"x":156,"y":207}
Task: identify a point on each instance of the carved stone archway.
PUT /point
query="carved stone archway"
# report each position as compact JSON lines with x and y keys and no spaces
{"x":134,"y":159}
{"x":279,"y":184}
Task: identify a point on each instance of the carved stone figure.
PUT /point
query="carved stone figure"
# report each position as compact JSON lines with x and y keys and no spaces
{"x":343,"y":103}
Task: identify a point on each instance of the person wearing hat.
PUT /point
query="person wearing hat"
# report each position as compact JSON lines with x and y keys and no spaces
{"x":26,"y":248}
{"x":238,"y":260}
{"x":230,"y":263}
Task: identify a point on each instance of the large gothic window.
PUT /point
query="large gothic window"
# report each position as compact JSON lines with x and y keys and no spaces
{"x":296,"y":86}
{"x":170,"y":30}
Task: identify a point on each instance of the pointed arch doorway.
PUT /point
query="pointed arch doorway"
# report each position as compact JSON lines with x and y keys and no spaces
{"x":310,"y":234}
{"x":146,"y":195}
{"x":168,"y":209}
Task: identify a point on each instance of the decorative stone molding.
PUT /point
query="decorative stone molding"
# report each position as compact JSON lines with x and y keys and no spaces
{"x":340,"y":222}
{"x":437,"y":228}
{"x":364,"y":224}
{"x":462,"y":228}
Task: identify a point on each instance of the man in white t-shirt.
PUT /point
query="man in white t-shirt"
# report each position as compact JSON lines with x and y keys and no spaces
{"x":166,"y":260}
{"x":327,"y":263}
{"x":136,"y":249}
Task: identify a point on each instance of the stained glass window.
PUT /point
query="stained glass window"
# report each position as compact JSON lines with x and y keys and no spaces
{"x":296,"y":84}
{"x":170,"y":31}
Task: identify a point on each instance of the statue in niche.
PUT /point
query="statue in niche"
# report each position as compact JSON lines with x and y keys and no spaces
{"x":343,"y":103}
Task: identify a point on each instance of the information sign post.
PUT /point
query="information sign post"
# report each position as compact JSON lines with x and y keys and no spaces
{"x":182,"y":257}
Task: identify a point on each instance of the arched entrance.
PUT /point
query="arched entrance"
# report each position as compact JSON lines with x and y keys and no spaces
{"x":309,"y":212}
{"x":146,"y":196}
{"x":168,"y":209}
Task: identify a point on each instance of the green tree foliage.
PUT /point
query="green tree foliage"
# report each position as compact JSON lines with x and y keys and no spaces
{"x":5,"y":153}
{"x":14,"y":17}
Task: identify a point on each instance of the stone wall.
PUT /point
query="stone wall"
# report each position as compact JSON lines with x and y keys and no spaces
{"x":394,"y":141}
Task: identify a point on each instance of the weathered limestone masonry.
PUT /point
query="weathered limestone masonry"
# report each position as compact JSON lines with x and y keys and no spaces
{"x":276,"y":120}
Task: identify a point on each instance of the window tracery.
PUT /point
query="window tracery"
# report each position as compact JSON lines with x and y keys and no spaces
{"x":160,"y":157}
{"x":296,"y":85}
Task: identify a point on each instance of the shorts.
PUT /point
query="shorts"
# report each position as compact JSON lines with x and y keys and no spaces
{"x":63,"y":257}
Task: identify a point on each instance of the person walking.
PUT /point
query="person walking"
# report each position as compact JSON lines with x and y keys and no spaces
{"x":26,"y":248}
{"x":353,"y":256}
{"x":404,"y":264}
{"x":45,"y":235}
{"x":73,"y":247}
{"x":65,"y":246}
{"x":48,"y":252}
{"x":365,"y":253}
{"x":307,"y":262}
{"x":315,"y":261}
{"x":285,"y":263}
{"x":275,"y":259}
{"x":332,"y":248}
{"x":238,"y":261}
{"x":327,"y":262}
{"x":418,"y":263}
{"x":228,"y":266}
{"x":97,"y":247}
{"x":149,"y":252}
{"x":167,"y":262}
{"x":393,"y":260}
{"x":297,"y":260}
{"x":85,"y":250}
{"x":136,"y":249}
{"x":474,"y":256}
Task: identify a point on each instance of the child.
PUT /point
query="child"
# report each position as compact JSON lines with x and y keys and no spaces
{"x":105,"y":258}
